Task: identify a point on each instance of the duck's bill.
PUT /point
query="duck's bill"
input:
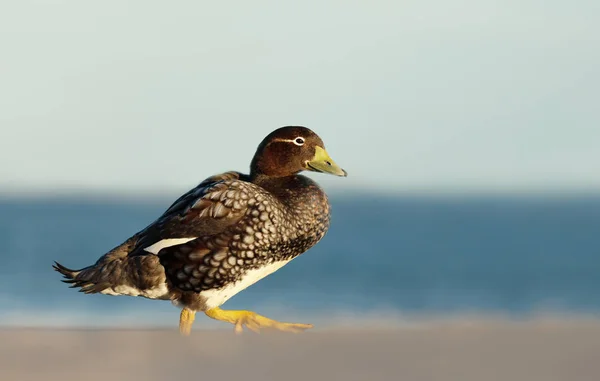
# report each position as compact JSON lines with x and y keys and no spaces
{"x":325,"y":164}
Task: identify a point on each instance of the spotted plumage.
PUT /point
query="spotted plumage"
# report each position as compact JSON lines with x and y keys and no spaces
{"x":225,"y":234}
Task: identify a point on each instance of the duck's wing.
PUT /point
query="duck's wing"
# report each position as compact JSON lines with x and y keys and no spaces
{"x":212,"y":206}
{"x":132,"y":268}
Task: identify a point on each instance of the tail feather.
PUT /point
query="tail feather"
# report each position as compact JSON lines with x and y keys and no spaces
{"x":116,"y":273}
{"x":72,"y":277}
{"x":92,"y":279}
{"x":68,"y":273}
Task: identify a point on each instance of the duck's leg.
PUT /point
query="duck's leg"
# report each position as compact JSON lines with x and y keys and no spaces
{"x":186,"y":319}
{"x":253,"y":321}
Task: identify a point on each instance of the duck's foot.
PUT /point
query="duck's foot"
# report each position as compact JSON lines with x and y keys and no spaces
{"x":186,"y":320}
{"x":253,"y":321}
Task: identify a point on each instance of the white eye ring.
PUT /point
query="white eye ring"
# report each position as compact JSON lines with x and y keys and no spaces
{"x":299,"y":141}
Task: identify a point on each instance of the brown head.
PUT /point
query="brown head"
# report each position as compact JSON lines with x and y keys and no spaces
{"x":289,"y":150}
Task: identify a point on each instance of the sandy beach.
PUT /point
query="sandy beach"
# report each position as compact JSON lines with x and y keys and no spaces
{"x":467,"y":349}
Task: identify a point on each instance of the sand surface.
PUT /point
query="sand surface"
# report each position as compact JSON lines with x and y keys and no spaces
{"x":460,"y":350}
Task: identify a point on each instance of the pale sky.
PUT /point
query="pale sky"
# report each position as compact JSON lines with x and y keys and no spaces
{"x":435,"y":95}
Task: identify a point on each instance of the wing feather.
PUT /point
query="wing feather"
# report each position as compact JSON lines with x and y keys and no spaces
{"x":212,"y":206}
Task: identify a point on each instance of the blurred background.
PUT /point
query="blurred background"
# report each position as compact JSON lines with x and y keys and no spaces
{"x":469,"y":130}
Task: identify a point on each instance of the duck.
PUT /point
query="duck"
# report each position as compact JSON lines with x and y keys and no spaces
{"x":224,"y":235}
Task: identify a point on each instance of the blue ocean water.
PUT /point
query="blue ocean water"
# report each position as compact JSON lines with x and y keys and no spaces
{"x":430,"y":255}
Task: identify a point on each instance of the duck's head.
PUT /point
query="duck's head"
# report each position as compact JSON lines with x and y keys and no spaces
{"x":289,"y":150}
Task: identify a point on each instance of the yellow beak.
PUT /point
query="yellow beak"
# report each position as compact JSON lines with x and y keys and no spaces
{"x":321,"y":162}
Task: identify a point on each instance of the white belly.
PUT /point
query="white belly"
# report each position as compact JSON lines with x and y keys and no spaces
{"x":159,"y":292}
{"x":215,"y":298}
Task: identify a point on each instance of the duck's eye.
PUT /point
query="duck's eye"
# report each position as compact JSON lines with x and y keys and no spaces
{"x":299,"y":141}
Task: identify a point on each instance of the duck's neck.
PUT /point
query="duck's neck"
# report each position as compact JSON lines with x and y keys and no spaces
{"x":282,"y":187}
{"x":293,"y":190}
{"x":306,"y":203}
